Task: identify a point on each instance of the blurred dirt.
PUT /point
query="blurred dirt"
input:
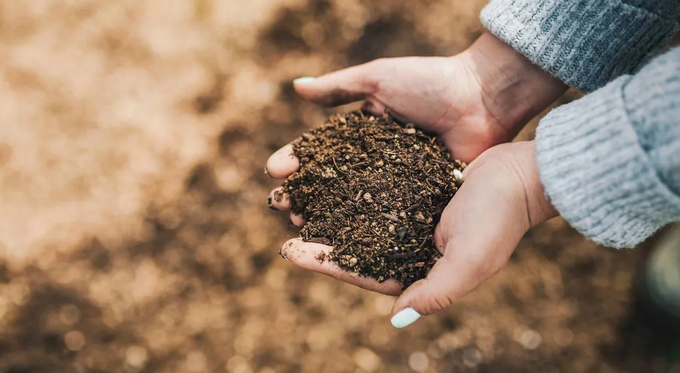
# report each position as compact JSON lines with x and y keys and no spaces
{"x":134,"y":233}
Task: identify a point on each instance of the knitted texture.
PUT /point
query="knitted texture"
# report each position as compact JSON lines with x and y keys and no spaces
{"x":610,"y":162}
{"x":653,"y":103}
{"x":584,"y":43}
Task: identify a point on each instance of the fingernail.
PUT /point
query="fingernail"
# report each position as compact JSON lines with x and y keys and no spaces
{"x":305,"y":79}
{"x":269,"y":203}
{"x":405,"y":317}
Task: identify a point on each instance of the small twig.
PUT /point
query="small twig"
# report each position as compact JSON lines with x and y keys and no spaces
{"x":390,"y":217}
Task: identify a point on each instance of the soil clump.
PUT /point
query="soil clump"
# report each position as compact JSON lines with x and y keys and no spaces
{"x":374,"y":190}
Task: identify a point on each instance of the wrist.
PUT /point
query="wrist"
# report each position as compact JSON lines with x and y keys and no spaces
{"x":513,"y":89}
{"x":539,"y":208}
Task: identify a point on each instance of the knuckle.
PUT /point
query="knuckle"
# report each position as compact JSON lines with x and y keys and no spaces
{"x":378,"y":63}
{"x":376,"y":74}
{"x":437,"y":303}
{"x":432,"y":302}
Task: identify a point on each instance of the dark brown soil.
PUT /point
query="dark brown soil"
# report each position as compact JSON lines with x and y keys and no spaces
{"x":374,"y":190}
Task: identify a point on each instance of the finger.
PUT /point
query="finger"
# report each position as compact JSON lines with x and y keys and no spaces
{"x":278,"y":200}
{"x":375,"y":108}
{"x":282,"y":163}
{"x":429,"y":295}
{"x":314,"y":257}
{"x":396,"y":115}
{"x":341,"y":87}
{"x":297,"y":220}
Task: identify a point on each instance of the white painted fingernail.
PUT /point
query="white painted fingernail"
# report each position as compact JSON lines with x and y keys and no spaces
{"x":457,"y":174}
{"x":405,"y":317}
{"x":305,"y":79}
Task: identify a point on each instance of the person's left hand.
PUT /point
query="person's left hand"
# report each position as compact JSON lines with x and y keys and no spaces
{"x":474,"y":100}
{"x":500,"y":200}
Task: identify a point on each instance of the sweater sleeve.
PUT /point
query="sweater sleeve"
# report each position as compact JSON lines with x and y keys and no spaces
{"x":584,"y":43}
{"x":610,"y":162}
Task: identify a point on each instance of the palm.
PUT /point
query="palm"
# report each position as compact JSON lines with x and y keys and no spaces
{"x":442,"y":96}
{"x":478,"y":230}
{"x":436,"y":93}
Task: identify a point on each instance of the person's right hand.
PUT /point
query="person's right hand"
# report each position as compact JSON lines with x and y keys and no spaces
{"x":474,"y":100}
{"x":501,"y":198}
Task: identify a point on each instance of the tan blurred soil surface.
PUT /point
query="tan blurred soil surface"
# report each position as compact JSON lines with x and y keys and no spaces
{"x":134,"y":233}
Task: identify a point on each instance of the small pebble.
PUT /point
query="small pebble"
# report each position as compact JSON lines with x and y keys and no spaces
{"x":472,"y":357}
{"x":530,"y":339}
{"x":418,"y":361}
{"x":328,"y":173}
{"x":136,"y":356}
{"x":353,"y":262}
{"x":410,"y":131}
{"x":367,"y":360}
{"x":457,"y":174}
{"x":69,"y":314}
{"x":74,"y":340}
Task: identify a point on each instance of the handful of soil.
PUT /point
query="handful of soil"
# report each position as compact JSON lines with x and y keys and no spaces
{"x":374,"y":190}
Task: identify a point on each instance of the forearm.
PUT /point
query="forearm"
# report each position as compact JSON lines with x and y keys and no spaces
{"x":610,"y":162}
{"x":514,"y":89}
{"x":585,"y":43}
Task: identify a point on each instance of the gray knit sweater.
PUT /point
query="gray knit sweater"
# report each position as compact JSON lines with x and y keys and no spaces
{"x":610,"y":162}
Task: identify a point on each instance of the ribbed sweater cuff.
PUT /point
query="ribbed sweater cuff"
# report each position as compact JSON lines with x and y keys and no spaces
{"x":596,"y":173}
{"x":584,"y":43}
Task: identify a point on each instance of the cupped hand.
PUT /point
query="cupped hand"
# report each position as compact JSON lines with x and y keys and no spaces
{"x":474,"y":100}
{"x":500,"y":200}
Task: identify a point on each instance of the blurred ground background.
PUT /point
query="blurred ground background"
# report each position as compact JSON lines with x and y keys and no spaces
{"x":134,"y":234}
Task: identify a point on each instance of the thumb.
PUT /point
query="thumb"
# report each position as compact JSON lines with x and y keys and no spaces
{"x":341,"y":87}
{"x":479,"y":230}
{"x":475,"y":248}
{"x":432,"y":294}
